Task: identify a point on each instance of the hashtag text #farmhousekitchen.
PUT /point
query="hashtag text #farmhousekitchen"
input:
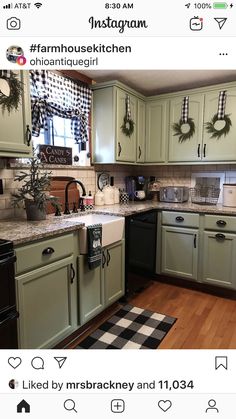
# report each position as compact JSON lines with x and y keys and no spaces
{"x":93,"y":48}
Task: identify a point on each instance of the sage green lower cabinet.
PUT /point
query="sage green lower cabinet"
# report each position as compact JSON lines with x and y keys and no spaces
{"x":45,"y":305}
{"x":179,"y":252}
{"x":219,"y":259}
{"x":46,"y":286}
{"x":102,"y":286}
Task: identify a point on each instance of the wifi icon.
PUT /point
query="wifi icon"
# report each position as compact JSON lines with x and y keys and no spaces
{"x":38,"y":5}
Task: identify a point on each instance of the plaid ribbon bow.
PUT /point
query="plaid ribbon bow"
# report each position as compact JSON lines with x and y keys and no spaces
{"x":221,"y":104}
{"x":128,"y":108}
{"x":185,"y":109}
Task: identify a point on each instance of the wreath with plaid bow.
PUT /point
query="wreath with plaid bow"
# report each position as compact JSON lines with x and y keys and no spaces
{"x":183,"y":136}
{"x":12,"y":101}
{"x":128,"y":124}
{"x":217,"y":133}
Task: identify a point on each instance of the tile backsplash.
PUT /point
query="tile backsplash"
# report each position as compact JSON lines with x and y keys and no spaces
{"x":167,"y":175}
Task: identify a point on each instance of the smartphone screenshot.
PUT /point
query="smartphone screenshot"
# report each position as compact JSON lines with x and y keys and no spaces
{"x":117,"y":209}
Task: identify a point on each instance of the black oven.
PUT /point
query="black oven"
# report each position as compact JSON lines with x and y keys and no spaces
{"x":8,"y":312}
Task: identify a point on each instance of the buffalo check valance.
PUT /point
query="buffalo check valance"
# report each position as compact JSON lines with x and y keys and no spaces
{"x":55,"y":95}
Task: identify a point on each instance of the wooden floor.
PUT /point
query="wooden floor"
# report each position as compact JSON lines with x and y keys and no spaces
{"x":204,"y":321}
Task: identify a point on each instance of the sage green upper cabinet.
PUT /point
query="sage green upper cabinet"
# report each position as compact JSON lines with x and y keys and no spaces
{"x":190,"y":149}
{"x":224,"y":148}
{"x":15,"y":133}
{"x":141,"y":124}
{"x":110,"y":144}
{"x":156,"y":131}
{"x":125,"y":145}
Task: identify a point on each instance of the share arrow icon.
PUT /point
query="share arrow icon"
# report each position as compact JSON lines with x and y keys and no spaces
{"x":61,"y":360}
{"x":221,"y":21}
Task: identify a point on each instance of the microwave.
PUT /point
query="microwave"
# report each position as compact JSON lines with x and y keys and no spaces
{"x":174,"y":194}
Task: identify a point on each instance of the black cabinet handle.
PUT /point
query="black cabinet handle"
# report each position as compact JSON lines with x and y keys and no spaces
{"x":204,"y":150}
{"x":72,"y":273}
{"x":221,"y":223}
{"x":108,"y":257}
{"x":198,"y":150}
{"x":195,"y":241}
{"x":48,"y":251}
{"x":119,"y":149}
{"x":103,"y":259}
{"x":220,"y":236}
{"x":140,"y":152}
{"x":28,"y":135}
{"x":179,"y":219}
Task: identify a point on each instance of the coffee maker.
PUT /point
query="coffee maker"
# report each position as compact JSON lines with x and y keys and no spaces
{"x":138,"y":183}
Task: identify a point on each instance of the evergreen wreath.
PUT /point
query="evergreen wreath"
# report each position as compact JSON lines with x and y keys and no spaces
{"x":210,"y":126}
{"x":128,"y":126}
{"x":16,"y":89}
{"x":183,"y":136}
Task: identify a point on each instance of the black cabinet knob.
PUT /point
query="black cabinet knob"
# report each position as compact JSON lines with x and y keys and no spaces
{"x":48,"y":251}
{"x":221,"y":223}
{"x":179,"y":219}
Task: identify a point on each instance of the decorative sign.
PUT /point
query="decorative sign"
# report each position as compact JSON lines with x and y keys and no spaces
{"x":52,"y":154}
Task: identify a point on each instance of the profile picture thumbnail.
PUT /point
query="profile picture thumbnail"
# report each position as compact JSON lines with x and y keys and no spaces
{"x":13,"y":384}
{"x":13,"y":53}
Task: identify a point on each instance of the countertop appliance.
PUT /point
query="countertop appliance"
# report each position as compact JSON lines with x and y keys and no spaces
{"x":140,"y":244}
{"x":8,"y":312}
{"x":229,"y":194}
{"x":138,"y":183}
{"x":174,"y":193}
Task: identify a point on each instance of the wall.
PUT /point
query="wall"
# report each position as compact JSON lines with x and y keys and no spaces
{"x":168,"y":175}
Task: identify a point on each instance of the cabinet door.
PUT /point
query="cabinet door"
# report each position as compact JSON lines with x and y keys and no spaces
{"x":125,"y":146}
{"x":180,"y":252}
{"x":114,"y":273}
{"x":141,"y":132}
{"x":188,"y":150}
{"x":91,"y":290}
{"x":156,"y":131}
{"x":45,"y":304}
{"x":219,"y":259}
{"x":16,"y":125}
{"x":224,"y":148}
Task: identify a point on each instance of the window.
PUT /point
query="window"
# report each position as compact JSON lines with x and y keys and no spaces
{"x":60,"y":113}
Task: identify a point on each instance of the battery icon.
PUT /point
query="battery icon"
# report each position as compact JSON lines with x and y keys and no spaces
{"x":219,"y":5}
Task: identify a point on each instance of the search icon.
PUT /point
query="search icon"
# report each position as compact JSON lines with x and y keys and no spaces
{"x":69,"y":405}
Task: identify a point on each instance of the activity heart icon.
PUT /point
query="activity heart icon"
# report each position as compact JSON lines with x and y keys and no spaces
{"x":164,"y":405}
{"x":14,"y":362}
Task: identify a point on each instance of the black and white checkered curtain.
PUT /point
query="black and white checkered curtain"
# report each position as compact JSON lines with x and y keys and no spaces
{"x":5,"y":74}
{"x":128,"y":108}
{"x":185,"y":109}
{"x":52,"y":94}
{"x":221,"y":104}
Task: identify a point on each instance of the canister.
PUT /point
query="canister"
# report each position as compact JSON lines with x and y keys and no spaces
{"x":229,"y":194}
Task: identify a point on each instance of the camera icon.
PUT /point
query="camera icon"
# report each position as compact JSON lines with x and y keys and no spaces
{"x":13,"y":24}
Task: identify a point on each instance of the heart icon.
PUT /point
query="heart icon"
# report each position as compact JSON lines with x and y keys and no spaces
{"x":164,"y":405}
{"x":14,"y":362}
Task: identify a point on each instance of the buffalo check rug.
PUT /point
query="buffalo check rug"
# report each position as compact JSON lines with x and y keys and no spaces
{"x":130,"y":328}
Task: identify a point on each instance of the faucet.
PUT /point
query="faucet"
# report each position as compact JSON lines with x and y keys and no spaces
{"x":67,"y":211}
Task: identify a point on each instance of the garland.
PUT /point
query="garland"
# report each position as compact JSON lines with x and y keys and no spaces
{"x":183,"y":136}
{"x":210,"y":126}
{"x":128,"y":126}
{"x":12,"y":101}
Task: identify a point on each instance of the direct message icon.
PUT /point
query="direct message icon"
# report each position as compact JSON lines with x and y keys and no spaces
{"x":164,"y":405}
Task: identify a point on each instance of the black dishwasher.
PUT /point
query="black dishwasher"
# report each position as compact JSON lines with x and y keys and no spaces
{"x":141,"y":235}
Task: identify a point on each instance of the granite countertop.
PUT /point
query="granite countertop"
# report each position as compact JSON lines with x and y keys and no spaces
{"x":22,"y":231}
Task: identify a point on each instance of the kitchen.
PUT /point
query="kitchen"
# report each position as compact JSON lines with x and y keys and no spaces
{"x":183,"y":287}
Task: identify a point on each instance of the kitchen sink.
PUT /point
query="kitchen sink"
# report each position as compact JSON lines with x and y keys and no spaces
{"x":112,"y":228}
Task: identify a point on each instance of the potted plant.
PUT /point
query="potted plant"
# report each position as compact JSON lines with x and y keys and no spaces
{"x":34,"y":190}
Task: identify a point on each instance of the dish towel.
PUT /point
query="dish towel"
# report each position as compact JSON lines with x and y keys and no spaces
{"x":94,"y":233}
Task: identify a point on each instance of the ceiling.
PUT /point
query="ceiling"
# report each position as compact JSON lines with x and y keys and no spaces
{"x":151,"y":82}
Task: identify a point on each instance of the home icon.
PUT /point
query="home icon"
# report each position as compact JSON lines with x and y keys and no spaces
{"x":23,"y":406}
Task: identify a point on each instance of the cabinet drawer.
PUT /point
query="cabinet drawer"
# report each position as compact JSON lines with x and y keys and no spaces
{"x":42,"y":252}
{"x":220,"y":222}
{"x":183,"y":219}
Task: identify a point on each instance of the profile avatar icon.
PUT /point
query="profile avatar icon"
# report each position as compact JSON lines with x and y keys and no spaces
{"x":13,"y":384}
{"x":13,"y":53}
{"x":212,"y":406}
